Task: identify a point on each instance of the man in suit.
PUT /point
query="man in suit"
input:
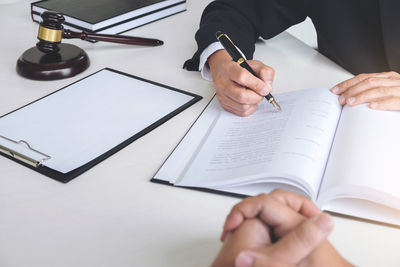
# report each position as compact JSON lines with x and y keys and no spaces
{"x":359,"y":35}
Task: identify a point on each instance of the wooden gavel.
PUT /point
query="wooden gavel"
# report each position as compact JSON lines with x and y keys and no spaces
{"x":51,"y":60}
{"x":51,"y":32}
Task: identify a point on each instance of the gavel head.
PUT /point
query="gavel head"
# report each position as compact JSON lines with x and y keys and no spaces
{"x":50,"y":32}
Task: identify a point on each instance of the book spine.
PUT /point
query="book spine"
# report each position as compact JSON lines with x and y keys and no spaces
{"x":32,"y":12}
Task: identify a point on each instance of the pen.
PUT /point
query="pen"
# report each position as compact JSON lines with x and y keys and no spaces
{"x":113,"y":38}
{"x":237,"y":57}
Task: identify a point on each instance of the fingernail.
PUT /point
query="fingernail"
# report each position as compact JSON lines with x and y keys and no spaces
{"x":342,"y":99}
{"x":325,"y":222}
{"x":374,"y":105}
{"x":335,"y":90}
{"x":351,"y":100}
{"x":244,"y":260}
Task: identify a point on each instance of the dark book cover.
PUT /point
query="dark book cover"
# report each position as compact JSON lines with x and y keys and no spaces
{"x":94,"y":11}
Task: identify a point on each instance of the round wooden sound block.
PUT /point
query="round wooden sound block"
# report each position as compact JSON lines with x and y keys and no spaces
{"x":70,"y":60}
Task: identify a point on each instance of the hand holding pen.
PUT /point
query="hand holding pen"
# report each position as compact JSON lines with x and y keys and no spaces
{"x":237,"y":89}
{"x":238,"y":58}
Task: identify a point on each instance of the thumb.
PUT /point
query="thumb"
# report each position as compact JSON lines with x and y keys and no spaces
{"x":303,"y":239}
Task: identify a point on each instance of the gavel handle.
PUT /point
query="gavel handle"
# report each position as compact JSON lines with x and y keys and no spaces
{"x":121,"y":39}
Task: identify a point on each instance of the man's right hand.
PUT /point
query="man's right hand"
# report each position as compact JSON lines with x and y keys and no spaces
{"x":238,"y":90}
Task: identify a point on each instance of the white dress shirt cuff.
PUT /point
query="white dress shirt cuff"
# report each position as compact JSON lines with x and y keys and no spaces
{"x":203,"y":66}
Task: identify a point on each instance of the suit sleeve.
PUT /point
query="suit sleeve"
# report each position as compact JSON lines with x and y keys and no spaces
{"x":245,"y":21}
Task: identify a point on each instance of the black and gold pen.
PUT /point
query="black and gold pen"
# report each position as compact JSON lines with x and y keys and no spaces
{"x":237,"y":57}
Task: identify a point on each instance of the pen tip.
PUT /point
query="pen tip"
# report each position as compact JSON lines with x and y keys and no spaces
{"x":276,"y":105}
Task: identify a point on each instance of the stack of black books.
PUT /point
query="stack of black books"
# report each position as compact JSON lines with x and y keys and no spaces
{"x":108,"y":16}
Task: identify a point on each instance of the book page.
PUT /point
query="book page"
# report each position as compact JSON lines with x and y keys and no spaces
{"x":365,"y":209}
{"x":288,"y":147}
{"x":364,"y":162}
{"x":174,"y":166}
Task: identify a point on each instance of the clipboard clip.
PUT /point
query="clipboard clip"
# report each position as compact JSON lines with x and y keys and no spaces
{"x":28,"y":160}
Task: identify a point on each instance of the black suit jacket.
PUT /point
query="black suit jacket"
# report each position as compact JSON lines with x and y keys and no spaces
{"x":360,"y":35}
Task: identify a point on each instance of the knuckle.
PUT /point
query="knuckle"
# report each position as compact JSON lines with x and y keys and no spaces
{"x":236,"y":208}
{"x":347,"y":84}
{"x":385,"y":91}
{"x":270,"y":70}
{"x":256,"y":86}
{"x":362,"y":76}
{"x":262,"y":195}
{"x":277,"y":191}
{"x":265,"y":198}
{"x":254,"y":63}
{"x":394,"y":73}
{"x":226,"y":107}
{"x":266,"y":203}
{"x":242,"y":114}
{"x":267,"y":71}
{"x":372,"y":81}
{"x":362,"y":96}
{"x":238,"y":113}
{"x":244,"y":108}
{"x":251,"y":110}
{"x":343,"y":85}
{"x":242,"y":76}
{"x":247,"y":113}
{"x":242,"y":96}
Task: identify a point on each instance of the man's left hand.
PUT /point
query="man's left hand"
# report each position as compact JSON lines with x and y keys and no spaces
{"x":380,"y":90}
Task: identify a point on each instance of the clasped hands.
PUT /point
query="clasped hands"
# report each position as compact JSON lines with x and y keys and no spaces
{"x":380,"y":90}
{"x":278,"y":229}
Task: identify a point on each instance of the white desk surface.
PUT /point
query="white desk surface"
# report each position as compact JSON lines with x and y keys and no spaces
{"x":113,"y":215}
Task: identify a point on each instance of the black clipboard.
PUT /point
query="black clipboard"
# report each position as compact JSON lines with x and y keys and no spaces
{"x":18,"y":144}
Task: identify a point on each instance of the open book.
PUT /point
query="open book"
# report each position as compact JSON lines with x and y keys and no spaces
{"x":347,"y":160}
